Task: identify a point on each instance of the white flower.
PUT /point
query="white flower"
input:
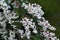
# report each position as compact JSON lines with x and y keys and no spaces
{"x":52,"y":28}
{"x":34,"y":9}
{"x":34,"y":31}
{"x":52,"y":34}
{"x":27,"y":33}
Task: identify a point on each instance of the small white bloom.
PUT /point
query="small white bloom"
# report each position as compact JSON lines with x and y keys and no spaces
{"x":34,"y":31}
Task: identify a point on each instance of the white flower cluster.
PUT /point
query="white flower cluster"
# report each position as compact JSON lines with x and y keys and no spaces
{"x":44,"y":32}
{"x":4,"y":34}
{"x":6,"y":14}
{"x":28,"y":23}
{"x":34,"y":9}
{"x":2,"y":11}
{"x":45,"y":24}
{"x":12,"y":35}
{"x":49,"y":35}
